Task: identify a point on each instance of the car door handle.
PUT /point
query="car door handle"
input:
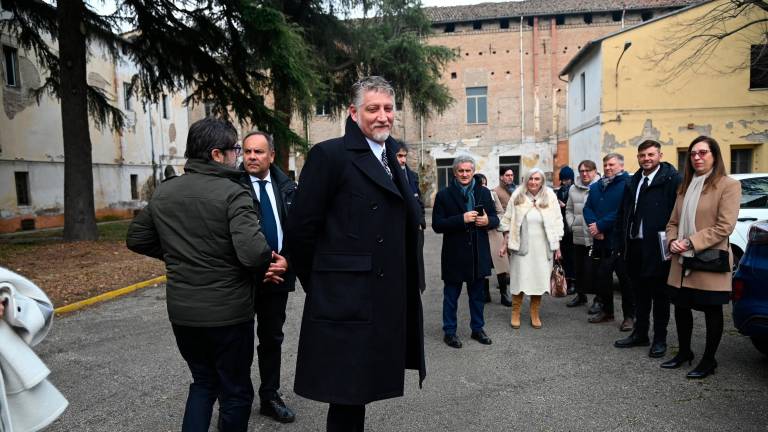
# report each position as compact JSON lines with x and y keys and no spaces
{"x":747,"y":219}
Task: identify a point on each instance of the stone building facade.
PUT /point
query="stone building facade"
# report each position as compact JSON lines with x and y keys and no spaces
{"x":510,"y":101}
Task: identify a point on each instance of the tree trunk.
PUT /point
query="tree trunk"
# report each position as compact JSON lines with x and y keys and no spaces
{"x":283,"y":108}
{"x":79,"y":213}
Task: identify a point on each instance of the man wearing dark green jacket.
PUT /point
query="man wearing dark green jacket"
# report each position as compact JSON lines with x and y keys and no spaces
{"x":204,"y":227}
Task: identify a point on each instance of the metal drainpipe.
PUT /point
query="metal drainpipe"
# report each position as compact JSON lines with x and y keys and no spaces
{"x":421,"y":138}
{"x":152,"y":144}
{"x":522,"y":86}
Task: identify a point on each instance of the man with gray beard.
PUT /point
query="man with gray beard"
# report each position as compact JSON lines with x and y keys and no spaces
{"x":352,"y":237}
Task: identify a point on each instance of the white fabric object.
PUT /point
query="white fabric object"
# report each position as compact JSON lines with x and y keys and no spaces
{"x":513,"y":218}
{"x":28,"y":402}
{"x":530,"y":272}
{"x":688,"y":212}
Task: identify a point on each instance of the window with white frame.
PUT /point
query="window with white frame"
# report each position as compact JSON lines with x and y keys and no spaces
{"x":127,"y":97}
{"x":166,"y":107}
{"x":477,"y":105}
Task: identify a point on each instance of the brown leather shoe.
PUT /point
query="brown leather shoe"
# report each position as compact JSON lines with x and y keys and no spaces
{"x":627,"y":325}
{"x":600,"y":317}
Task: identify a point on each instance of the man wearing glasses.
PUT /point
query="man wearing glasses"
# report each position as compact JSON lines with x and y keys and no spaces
{"x":204,"y":227}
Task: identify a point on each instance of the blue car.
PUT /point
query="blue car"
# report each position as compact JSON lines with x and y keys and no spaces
{"x":750,"y":288}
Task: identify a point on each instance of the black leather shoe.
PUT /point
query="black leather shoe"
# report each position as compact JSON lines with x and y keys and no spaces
{"x":633,"y":340}
{"x":452,"y":341}
{"x":600,"y":317}
{"x":579,"y":300}
{"x":276,"y":409}
{"x":677,"y":361}
{"x":658,"y":349}
{"x":481,"y":337}
{"x":704,"y":369}
{"x":595,"y":308}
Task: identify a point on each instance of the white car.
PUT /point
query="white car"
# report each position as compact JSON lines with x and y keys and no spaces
{"x":754,"y":207}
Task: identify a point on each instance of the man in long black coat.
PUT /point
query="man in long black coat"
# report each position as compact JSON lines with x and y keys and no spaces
{"x":648,"y":202}
{"x":466,"y":253}
{"x":352,"y":236}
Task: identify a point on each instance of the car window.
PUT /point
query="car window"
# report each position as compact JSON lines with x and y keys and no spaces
{"x":754,"y":192}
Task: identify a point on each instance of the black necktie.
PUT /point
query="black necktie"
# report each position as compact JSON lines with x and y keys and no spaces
{"x":268,"y":222}
{"x":636,"y":220}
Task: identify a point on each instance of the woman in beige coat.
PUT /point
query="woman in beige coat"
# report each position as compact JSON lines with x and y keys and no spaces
{"x":704,"y":216}
{"x":533,"y":227}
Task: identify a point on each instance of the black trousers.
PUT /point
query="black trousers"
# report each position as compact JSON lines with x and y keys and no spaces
{"x":346,"y":418}
{"x":566,"y":250}
{"x":582,"y":266}
{"x":609,"y":263}
{"x":650,"y":295}
{"x":220,"y":360}
{"x":270,"y":317}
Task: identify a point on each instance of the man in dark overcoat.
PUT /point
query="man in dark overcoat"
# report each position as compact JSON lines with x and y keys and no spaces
{"x":464,"y":212}
{"x":352,"y":236}
{"x":648,"y":202}
{"x":413,"y":181}
{"x":273,"y":194}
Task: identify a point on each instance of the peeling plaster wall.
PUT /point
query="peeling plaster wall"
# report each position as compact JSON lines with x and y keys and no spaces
{"x":701,"y":101}
{"x":31,"y":141}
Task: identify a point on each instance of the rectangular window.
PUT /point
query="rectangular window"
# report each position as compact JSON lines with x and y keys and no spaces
{"x":166,"y":110}
{"x":11,"y":60}
{"x":511,"y":162}
{"x":583,"y":92}
{"x":682,"y":158}
{"x":449,"y":28}
{"x":134,"y":186}
{"x":127,"y":96}
{"x":477,"y":25}
{"x":504,"y":23}
{"x":323,"y":108}
{"x":477,"y":105}
{"x":741,"y":161}
{"x":758,"y":67}
{"x":444,"y":172}
{"x":22,"y":188}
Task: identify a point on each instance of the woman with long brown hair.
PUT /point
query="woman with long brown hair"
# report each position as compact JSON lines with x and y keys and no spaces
{"x":705,"y":214}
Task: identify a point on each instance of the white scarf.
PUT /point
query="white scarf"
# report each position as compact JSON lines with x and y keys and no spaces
{"x":688,"y":213}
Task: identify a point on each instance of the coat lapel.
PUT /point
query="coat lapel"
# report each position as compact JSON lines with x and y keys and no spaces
{"x":372,"y":168}
{"x":456,"y":196}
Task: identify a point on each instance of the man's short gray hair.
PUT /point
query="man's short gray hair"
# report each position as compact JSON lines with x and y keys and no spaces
{"x":616,"y":156}
{"x":268,"y":137}
{"x":371,"y":83}
{"x":463,"y":158}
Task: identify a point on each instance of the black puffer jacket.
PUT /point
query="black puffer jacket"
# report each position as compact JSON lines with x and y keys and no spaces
{"x":203,"y":225}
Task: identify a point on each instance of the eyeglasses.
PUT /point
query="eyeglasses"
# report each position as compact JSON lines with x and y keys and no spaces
{"x":701,"y":154}
{"x":237,"y":148}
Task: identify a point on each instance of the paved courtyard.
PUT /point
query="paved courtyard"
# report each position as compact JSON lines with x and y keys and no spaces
{"x":118,"y":365}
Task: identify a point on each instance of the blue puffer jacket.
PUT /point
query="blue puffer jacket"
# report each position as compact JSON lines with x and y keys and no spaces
{"x":603,"y":207}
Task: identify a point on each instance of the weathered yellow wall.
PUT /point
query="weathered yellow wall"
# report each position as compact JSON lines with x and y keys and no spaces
{"x":713,"y":99}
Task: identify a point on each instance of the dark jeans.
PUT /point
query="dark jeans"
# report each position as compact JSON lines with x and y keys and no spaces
{"x":451,"y":294}
{"x":345,"y":418}
{"x":609,"y":263}
{"x":220,"y":360}
{"x":270,"y":317}
{"x":650,"y":295}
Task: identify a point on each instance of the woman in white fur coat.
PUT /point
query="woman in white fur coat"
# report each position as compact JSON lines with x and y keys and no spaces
{"x":533,"y":227}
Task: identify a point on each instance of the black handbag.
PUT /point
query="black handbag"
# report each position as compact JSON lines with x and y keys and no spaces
{"x":708,"y":260}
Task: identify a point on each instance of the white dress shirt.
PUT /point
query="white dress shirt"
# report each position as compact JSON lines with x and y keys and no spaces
{"x":271,"y":193}
{"x":637,"y":195}
{"x":376,"y":148}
